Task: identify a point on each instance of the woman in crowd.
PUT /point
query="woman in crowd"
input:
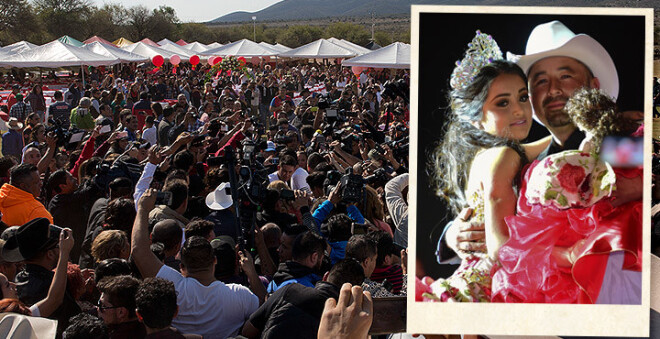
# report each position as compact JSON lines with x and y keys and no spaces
{"x":37,"y":101}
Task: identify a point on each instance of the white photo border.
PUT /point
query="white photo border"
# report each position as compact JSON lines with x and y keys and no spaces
{"x":529,"y":319}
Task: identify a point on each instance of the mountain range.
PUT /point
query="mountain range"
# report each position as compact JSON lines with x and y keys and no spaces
{"x":292,"y":10}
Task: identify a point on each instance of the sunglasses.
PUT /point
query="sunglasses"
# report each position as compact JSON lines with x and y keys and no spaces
{"x":102,"y":308}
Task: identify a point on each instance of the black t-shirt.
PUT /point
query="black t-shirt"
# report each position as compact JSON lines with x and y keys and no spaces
{"x":293,"y":308}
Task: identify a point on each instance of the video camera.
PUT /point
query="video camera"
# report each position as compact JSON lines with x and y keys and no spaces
{"x":379,"y":178}
{"x":352,"y":187}
{"x":63,"y":135}
{"x":400,"y":147}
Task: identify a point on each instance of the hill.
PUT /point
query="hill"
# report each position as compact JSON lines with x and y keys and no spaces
{"x":294,"y":10}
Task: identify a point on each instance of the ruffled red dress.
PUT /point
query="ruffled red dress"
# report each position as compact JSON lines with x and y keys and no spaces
{"x":564,"y":201}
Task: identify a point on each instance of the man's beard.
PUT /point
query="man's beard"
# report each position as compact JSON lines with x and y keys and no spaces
{"x":557,"y":117}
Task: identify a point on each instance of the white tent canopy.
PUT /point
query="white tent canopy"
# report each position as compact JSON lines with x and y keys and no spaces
{"x":279,"y":46}
{"x":350,"y":46}
{"x":57,"y":54}
{"x":116,"y":52}
{"x":166,"y":41}
{"x":197,"y":47}
{"x":183,"y":53}
{"x":147,"y":51}
{"x":18,"y":47}
{"x":319,"y":49}
{"x":214,"y":45}
{"x":396,"y":55}
{"x":244,"y":48}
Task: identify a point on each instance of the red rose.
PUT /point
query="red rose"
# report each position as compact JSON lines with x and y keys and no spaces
{"x":421,"y":288}
{"x":570,"y":177}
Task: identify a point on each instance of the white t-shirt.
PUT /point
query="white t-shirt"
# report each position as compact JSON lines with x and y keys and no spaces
{"x":150,"y":135}
{"x":214,"y":311}
{"x":273,"y":177}
{"x":299,"y":180}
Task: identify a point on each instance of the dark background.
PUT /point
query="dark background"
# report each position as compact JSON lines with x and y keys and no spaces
{"x":443,"y":39}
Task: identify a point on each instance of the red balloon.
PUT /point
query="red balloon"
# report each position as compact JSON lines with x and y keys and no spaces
{"x":255,"y":60}
{"x":217,"y":60}
{"x":194,"y":60}
{"x":158,"y":60}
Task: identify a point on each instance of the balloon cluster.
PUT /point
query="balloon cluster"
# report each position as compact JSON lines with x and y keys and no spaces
{"x":175,"y":60}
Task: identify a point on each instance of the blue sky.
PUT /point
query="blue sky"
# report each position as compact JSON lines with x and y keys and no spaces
{"x":197,"y":10}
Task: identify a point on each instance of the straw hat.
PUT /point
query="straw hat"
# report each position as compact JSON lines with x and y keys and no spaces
{"x":14,"y":124}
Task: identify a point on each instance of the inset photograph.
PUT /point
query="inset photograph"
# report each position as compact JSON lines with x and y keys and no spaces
{"x":528,"y":129}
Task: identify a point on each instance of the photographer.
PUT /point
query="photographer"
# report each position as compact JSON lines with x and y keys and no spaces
{"x":189,"y":124}
{"x":334,"y":198}
{"x":81,"y":117}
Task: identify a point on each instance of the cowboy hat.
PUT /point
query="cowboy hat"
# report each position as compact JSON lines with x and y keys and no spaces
{"x":35,"y":236}
{"x":555,"y":39}
{"x":219,"y":199}
{"x":14,"y":124}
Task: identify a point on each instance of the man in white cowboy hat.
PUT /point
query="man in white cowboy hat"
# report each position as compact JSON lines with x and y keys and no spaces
{"x":223,"y":212}
{"x":558,"y":62}
{"x":12,"y":141}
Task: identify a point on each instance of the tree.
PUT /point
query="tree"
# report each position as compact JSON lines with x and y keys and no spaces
{"x":60,"y":16}
{"x":13,"y":16}
{"x":296,"y":36}
{"x":354,"y":33}
{"x":269,"y":35}
{"x":196,"y":32}
{"x":402,"y":36}
{"x":162,"y":23}
{"x":108,"y":22}
{"x":383,"y":38}
{"x":138,"y":22}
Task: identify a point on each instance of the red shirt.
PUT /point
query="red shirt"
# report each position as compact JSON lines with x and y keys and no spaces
{"x":11,"y":100}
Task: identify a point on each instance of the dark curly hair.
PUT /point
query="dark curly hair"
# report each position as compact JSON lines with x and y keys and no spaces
{"x":450,"y":161}
{"x":199,"y":227}
{"x":120,"y":215}
{"x":156,"y":302}
{"x":84,"y":326}
{"x":121,"y":291}
{"x":594,"y":111}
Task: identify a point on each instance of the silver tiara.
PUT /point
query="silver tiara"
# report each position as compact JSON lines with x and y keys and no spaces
{"x":482,"y":51}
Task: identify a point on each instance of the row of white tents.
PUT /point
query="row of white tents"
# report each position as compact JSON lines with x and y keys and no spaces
{"x":61,"y":53}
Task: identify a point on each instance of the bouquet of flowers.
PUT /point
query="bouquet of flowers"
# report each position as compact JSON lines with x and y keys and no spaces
{"x":227,"y":66}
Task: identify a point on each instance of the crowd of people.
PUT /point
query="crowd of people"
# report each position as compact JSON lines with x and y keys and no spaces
{"x":150,"y":203}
